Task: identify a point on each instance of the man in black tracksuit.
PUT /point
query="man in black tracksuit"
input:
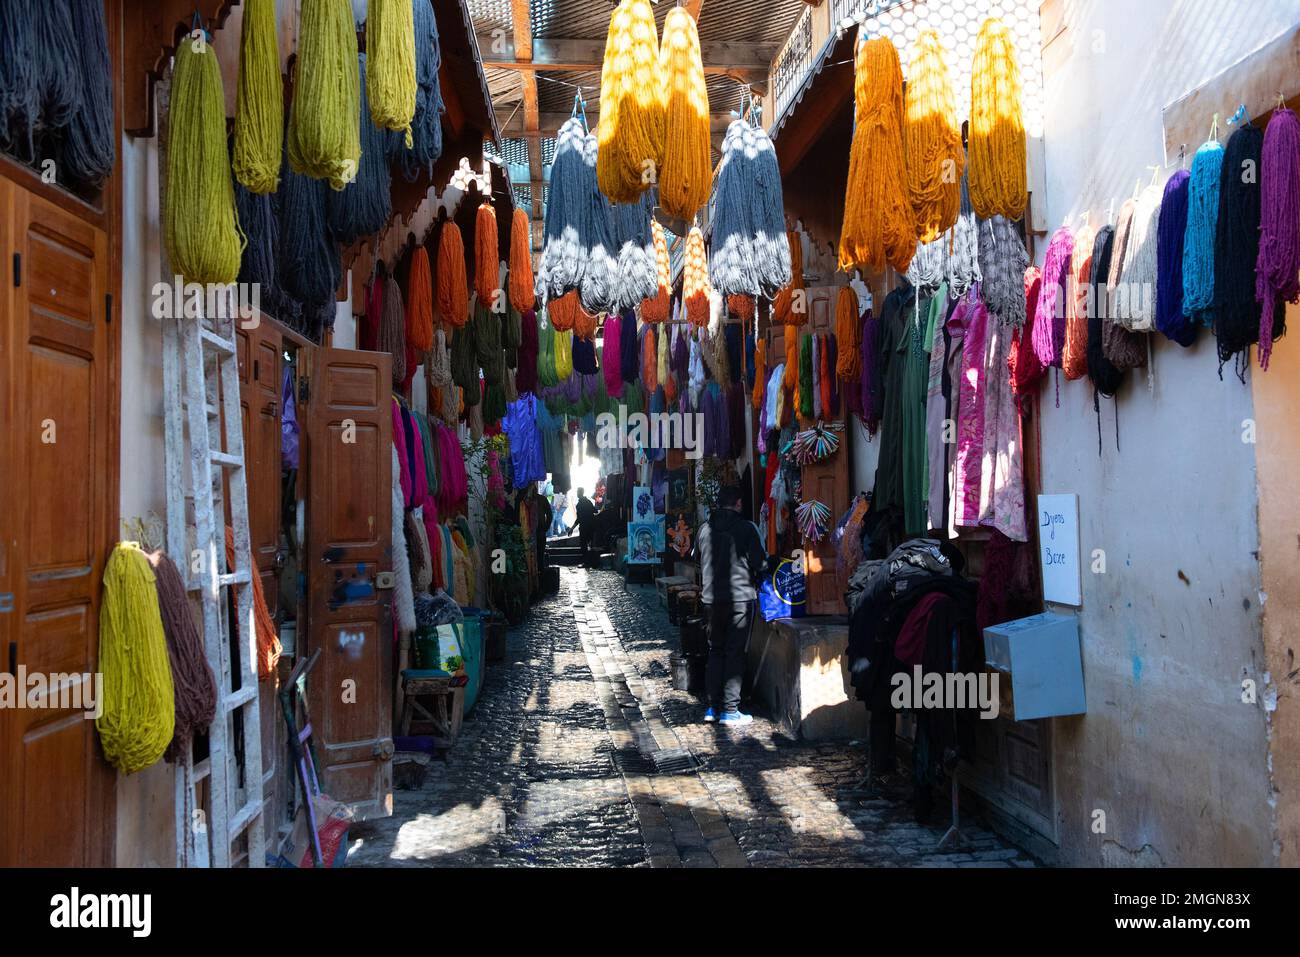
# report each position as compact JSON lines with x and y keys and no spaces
{"x":732,"y":560}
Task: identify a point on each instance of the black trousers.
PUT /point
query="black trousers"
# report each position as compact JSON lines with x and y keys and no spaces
{"x":729,"y":626}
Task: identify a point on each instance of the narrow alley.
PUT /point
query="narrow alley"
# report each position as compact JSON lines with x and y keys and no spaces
{"x":556,"y":767}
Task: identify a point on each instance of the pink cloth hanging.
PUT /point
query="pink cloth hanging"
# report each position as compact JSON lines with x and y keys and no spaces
{"x":1002,"y":490}
{"x":970,"y":415}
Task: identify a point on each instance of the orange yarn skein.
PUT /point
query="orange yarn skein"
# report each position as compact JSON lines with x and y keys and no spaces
{"x":452,"y":286}
{"x":656,"y":309}
{"x":997,"y":182}
{"x":487,"y":265}
{"x":419,"y":302}
{"x":520,"y":281}
{"x":931,"y":141}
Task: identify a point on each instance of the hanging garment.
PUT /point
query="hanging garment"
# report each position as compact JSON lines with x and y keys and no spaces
{"x":970,"y":421}
{"x":1002,"y":489}
{"x":916,"y":378}
{"x":938,"y":415}
{"x":403,"y":592}
{"x":526,"y":450}
{"x":888,"y":488}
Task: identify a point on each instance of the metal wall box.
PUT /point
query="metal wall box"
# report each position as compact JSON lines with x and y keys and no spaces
{"x":1042,"y":657}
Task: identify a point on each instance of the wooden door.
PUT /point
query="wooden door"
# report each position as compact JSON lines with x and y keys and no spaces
{"x":258,"y":349}
{"x":347,"y":422}
{"x":58,"y":526}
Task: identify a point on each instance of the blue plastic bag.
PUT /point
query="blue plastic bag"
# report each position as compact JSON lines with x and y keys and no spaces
{"x":783,"y":594}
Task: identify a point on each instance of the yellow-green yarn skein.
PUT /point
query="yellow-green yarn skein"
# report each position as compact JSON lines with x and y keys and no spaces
{"x":139,"y":707}
{"x":390,"y":65}
{"x":325,"y":118}
{"x":200,"y":225}
{"x":259,"y":101}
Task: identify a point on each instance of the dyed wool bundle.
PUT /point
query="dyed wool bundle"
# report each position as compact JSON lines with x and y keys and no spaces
{"x":1277,"y":269}
{"x":685,"y":174}
{"x":426,"y":124}
{"x":1106,"y":377}
{"x":564,"y":251}
{"x":760,"y":377}
{"x":199,"y":224}
{"x":546,"y":355}
{"x":585,"y":325}
{"x":736,"y":429}
{"x":600,"y":277}
{"x":486,"y":268}
{"x":138,"y":718}
{"x":963,"y":267}
{"x":661,"y":356}
{"x":740,"y":306}
{"x":790,"y":378}
{"x":610,"y":355}
{"x":464,"y":365}
{"x":257,"y":265}
{"x":656,"y":309}
{"x":734,"y":337}
{"x":1198,"y":240}
{"x":19,"y":81}
{"x":390,"y":39}
{"x":268,"y":643}
{"x":997,"y":130}
{"x":259,"y":102}
{"x":563,"y":355}
{"x":1049,"y":318}
{"x":419,"y":303}
{"x":511,"y":336}
{"x":636,"y":276}
{"x":325,"y":119}
{"x":485,"y":329}
{"x":695,"y":279}
{"x":1026,"y":370}
{"x":309,"y":260}
{"x":1236,"y":246}
{"x":1003,"y":260}
{"x":848,"y":330}
{"x":1170,"y":230}
{"x":649,"y":360}
{"x":520,"y":281}
{"x":1125,"y":349}
{"x":632,"y":104}
{"x":193,"y":684}
{"x":879,"y":225}
{"x":452,"y":285}
{"x":1074,"y":354}
{"x":526,"y":371}
{"x":931,"y":141}
{"x":392,"y":329}
{"x":563,"y":312}
{"x":629,"y":348}
{"x":807,"y":384}
{"x":784,"y":309}
{"x":364,"y":205}
{"x":87,"y":146}
{"x":1135,"y":307}
{"x":749,"y":254}
{"x":58,"y":89}
{"x":926,"y":271}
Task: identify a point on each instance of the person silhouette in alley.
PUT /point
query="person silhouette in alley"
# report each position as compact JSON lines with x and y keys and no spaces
{"x":732,"y":560}
{"x":585,"y":520}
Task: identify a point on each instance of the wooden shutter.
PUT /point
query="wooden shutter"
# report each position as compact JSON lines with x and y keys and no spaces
{"x":347,"y":422}
{"x":258,"y":350}
{"x":56,"y":357}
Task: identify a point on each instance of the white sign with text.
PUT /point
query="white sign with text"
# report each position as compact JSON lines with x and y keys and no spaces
{"x":1058,"y":548}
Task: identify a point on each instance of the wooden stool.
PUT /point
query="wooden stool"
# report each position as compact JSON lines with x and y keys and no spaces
{"x":442,"y":717}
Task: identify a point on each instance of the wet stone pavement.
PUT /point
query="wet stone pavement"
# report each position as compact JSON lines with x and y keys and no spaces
{"x":580,"y":753}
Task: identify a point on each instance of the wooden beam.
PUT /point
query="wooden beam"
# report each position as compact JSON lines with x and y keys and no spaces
{"x":522,"y":21}
{"x":748,"y":60}
{"x":693,"y":8}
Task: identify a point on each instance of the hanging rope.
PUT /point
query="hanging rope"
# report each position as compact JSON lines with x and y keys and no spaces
{"x":202,"y":234}
{"x":931,"y":140}
{"x":997,"y":128}
{"x":1236,"y":246}
{"x":453,"y":287}
{"x":1170,"y":231}
{"x":193,"y":684}
{"x":1198,"y":240}
{"x":520,"y":283}
{"x":686,"y":175}
{"x":632,"y":104}
{"x":1277,"y":277}
{"x":139,"y":701}
{"x":364,"y":206}
{"x":487,"y":269}
{"x":879,"y":225}
{"x":325,"y":118}
{"x":390,"y":39}
{"x":259,"y":101}
{"x":87,"y":147}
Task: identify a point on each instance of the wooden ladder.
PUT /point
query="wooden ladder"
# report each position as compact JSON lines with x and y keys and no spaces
{"x":200,"y":390}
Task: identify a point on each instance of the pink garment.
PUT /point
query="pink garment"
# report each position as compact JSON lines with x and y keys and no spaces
{"x":970,"y":414}
{"x":1002,"y":489}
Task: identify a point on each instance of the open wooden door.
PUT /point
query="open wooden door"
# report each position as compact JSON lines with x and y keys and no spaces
{"x":258,"y":350}
{"x":347,"y":421}
{"x":57,"y":403}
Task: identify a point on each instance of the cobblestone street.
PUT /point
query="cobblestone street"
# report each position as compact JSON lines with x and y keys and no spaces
{"x":568,"y":760}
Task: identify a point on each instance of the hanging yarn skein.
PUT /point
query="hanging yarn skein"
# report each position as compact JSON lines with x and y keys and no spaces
{"x":520,"y":281}
{"x":390,"y":74}
{"x":1135,"y":308}
{"x":452,"y":288}
{"x":1074,"y":352}
{"x":686,"y":171}
{"x":87,"y":147}
{"x":784,"y":309}
{"x":636,"y":274}
{"x":259,"y":102}
{"x":564,"y":251}
{"x":1277,"y":268}
{"x":309,"y":260}
{"x":748,"y":252}
{"x":1170,"y":232}
{"x":193,"y":684}
{"x":563,"y":312}
{"x":879,"y":225}
{"x":1003,"y":260}
{"x":848,"y":333}
{"x":1198,"y":240}
{"x":963,"y":267}
{"x":138,"y":718}
{"x":486,"y":263}
{"x":695,"y":279}
{"x":656,"y":309}
{"x":364,"y":205}
{"x":392,"y":330}
{"x":419,"y":303}
{"x":199,"y":222}
{"x":600,"y":277}
{"x":58,"y":89}
{"x":1049,"y":318}
{"x":325,"y":119}
{"x":1236,"y":246}
{"x":632,"y":104}
{"x":19,"y":80}
{"x":426,"y":125}
{"x":997,"y":128}
{"x":931,"y":140}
